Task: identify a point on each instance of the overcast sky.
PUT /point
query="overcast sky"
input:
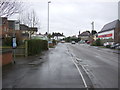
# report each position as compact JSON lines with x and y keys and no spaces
{"x":71,"y":16}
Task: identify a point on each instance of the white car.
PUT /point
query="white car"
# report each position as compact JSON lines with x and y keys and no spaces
{"x":73,"y":42}
{"x":108,"y":43}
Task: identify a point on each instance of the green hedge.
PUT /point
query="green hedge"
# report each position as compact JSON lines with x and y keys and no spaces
{"x":36,"y":46}
{"x":8,"y":41}
{"x":98,"y":42}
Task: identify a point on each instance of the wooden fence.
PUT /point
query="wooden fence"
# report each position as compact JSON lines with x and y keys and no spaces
{"x":20,"y":51}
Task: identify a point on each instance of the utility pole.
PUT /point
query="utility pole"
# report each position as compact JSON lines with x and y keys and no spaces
{"x":92,"y":25}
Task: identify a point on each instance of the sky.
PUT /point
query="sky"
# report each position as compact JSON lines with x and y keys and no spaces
{"x":71,"y":16}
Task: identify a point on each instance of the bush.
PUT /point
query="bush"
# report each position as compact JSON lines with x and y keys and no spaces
{"x":7,"y":41}
{"x":108,"y":46}
{"x":98,"y":42}
{"x":54,"y":42}
{"x":36,"y":46}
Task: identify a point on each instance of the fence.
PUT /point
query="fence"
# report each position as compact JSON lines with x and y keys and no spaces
{"x":20,"y":51}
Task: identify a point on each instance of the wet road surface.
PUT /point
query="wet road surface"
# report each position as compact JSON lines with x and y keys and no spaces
{"x":61,"y":67}
{"x":57,"y":70}
{"x":100,"y":64}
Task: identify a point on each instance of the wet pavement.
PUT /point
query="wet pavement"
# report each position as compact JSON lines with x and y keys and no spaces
{"x":54,"y":69}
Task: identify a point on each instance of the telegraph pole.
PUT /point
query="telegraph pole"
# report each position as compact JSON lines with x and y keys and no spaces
{"x":92,"y":25}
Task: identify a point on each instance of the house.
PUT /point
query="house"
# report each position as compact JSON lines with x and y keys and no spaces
{"x":3,"y":27}
{"x":110,"y":32}
{"x":24,"y":31}
{"x":84,"y":36}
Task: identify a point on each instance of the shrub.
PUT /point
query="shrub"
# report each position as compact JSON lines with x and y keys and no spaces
{"x":36,"y":46}
{"x":54,"y":42}
{"x":98,"y":42}
{"x":7,"y":41}
{"x":108,"y":46}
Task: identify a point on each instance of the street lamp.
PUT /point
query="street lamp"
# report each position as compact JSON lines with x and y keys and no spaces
{"x":48,"y":23}
{"x":48,"y":15}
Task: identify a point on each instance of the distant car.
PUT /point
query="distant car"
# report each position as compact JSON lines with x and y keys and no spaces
{"x":88,"y":42}
{"x":81,"y":42}
{"x":73,"y":42}
{"x":62,"y":41}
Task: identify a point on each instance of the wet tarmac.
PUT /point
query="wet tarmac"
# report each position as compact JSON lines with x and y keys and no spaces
{"x":101,"y":64}
{"x":54,"y":69}
{"x":60,"y":67}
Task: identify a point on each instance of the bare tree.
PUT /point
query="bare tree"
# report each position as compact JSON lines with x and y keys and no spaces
{"x":9,"y":7}
{"x":30,"y":19}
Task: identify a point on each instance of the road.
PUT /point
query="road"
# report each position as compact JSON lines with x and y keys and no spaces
{"x":65,"y":66}
{"x":100,"y":64}
{"x":57,"y":70}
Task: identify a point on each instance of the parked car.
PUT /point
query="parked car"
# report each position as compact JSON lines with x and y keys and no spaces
{"x":81,"y":42}
{"x":88,"y":42}
{"x":108,"y":43}
{"x":118,"y":47}
{"x":73,"y":42}
{"x":115,"y":46}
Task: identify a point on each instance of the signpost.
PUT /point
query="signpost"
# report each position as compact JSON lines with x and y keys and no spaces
{"x":14,"y":44}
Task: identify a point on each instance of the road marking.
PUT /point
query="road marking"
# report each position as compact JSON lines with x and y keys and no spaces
{"x":85,"y":84}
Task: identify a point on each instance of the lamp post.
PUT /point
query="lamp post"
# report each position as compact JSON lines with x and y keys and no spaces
{"x":48,"y":24}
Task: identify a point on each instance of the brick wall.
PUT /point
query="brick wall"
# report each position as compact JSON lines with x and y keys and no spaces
{"x":6,"y":57}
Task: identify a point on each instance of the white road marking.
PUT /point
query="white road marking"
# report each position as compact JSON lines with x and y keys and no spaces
{"x":85,"y":84}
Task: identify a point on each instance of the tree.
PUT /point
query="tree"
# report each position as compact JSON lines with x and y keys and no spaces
{"x":88,"y":31}
{"x":10,"y":7}
{"x":93,"y":32}
{"x":30,"y":19}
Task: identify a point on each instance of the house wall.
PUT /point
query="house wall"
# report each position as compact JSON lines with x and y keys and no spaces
{"x":106,"y":35}
{"x":117,"y":33}
{"x":84,"y":37}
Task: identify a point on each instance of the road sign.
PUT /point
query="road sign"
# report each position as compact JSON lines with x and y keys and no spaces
{"x":14,"y":43}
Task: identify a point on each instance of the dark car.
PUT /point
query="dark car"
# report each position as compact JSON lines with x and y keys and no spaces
{"x":115,"y":46}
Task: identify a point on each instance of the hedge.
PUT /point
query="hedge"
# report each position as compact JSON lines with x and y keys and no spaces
{"x":8,"y":41}
{"x":36,"y":46}
{"x":98,"y":42}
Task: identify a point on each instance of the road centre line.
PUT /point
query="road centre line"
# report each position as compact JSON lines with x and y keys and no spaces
{"x":85,"y":84}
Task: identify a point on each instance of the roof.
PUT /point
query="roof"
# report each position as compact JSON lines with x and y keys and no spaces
{"x":23,"y":27}
{"x":33,"y":29}
{"x":110,"y":26}
{"x":85,"y":34}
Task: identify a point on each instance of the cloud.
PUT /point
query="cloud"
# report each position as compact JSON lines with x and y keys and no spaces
{"x":70,"y":16}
